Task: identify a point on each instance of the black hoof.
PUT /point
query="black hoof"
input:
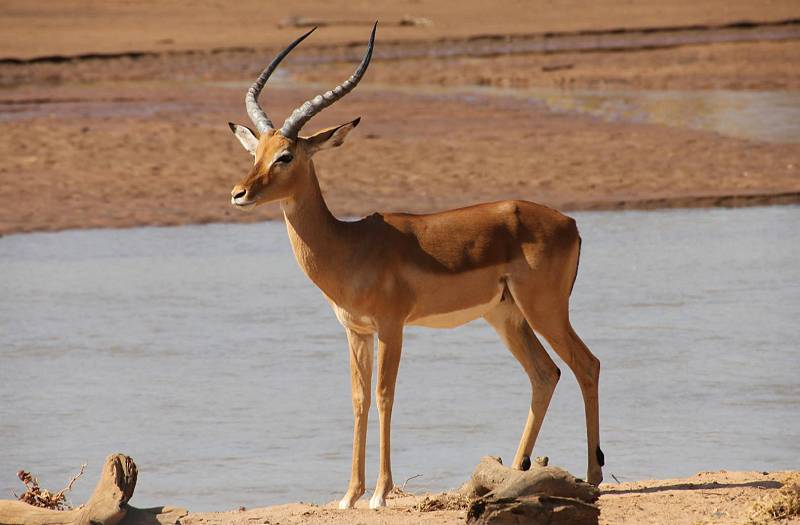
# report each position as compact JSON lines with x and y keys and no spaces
{"x":526,"y":463}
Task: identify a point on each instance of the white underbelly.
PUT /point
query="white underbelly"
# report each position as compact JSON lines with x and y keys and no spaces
{"x":457,"y":317}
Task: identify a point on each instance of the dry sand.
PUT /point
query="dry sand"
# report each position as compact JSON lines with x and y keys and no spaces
{"x":728,"y":498}
{"x":71,"y":27}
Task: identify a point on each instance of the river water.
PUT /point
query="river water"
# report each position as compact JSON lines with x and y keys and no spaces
{"x":205,"y":354}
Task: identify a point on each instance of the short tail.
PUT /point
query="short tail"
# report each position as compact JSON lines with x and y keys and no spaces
{"x":577,"y":265}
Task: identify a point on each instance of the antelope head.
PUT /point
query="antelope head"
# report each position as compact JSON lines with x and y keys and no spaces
{"x":282,"y":157}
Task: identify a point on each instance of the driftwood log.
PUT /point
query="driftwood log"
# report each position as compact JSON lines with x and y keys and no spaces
{"x":108,"y":504}
{"x":551,"y":495}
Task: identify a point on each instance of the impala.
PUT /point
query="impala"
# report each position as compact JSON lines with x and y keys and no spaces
{"x":511,"y":262}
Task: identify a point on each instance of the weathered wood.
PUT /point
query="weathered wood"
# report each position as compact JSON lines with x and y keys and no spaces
{"x":543,"y":494}
{"x":106,"y":506}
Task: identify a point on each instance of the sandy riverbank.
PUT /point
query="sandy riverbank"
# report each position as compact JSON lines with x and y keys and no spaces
{"x":143,"y":140}
{"x":732,"y":498}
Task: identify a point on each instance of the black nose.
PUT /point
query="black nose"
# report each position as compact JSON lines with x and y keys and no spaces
{"x":240,"y":194}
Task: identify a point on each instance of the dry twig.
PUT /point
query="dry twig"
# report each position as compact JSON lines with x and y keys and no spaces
{"x":39,"y":497}
{"x":403,"y":488}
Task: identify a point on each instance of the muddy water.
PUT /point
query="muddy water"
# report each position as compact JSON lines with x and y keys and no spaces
{"x":769,"y":116}
{"x":764,"y":116}
{"x":205,"y":354}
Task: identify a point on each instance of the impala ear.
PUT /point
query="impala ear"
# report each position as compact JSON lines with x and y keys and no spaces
{"x":245,"y":136}
{"x":331,"y":137}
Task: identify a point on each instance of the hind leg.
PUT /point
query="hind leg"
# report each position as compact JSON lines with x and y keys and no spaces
{"x":550,"y":317}
{"x":510,"y":324}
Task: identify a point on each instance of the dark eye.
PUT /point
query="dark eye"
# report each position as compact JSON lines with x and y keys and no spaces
{"x":285,"y":158}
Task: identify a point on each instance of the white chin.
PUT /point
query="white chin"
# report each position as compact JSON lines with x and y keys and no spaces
{"x":242,"y":204}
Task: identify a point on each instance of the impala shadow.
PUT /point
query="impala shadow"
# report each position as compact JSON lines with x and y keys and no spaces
{"x":766,"y":484}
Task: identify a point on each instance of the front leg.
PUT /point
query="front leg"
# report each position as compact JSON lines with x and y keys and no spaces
{"x":361,"y":382}
{"x":390,"y":343}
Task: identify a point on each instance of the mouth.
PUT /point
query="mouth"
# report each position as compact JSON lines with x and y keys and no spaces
{"x":242,"y":203}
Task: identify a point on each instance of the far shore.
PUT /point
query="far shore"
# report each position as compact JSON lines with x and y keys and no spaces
{"x":143,"y":157}
{"x":142,"y":139}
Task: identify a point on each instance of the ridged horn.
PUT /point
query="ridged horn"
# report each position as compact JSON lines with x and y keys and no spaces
{"x":292,"y":126}
{"x":257,"y":115}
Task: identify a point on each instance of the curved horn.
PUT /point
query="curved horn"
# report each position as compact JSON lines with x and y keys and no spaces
{"x":257,"y":115}
{"x":303,"y":114}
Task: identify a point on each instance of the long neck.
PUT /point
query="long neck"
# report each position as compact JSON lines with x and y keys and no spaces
{"x":319,"y":240}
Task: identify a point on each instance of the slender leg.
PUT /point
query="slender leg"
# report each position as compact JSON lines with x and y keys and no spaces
{"x":543,"y":373}
{"x":390,"y":343}
{"x":361,"y":382}
{"x":586,"y":367}
{"x":552,"y":321}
